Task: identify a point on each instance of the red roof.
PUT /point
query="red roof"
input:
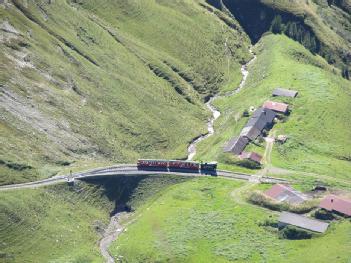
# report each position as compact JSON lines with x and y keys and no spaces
{"x":276,"y":106}
{"x":285,"y":193}
{"x":335,"y":203}
{"x":277,"y":189}
{"x":252,"y":156}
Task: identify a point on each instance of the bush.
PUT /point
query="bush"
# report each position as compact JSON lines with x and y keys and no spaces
{"x":261,"y":199}
{"x":229,"y":158}
{"x":269,"y":222}
{"x":246,"y":113}
{"x":258,"y":198}
{"x":248,"y":164}
{"x":295,"y":233}
{"x":304,"y":207}
{"x":323,"y":215}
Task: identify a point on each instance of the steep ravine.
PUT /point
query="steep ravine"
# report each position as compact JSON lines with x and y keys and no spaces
{"x":215,"y":112}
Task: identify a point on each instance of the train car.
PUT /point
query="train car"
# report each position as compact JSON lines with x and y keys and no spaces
{"x":188,"y":165}
{"x":212,"y":166}
{"x":152,"y":164}
{"x":173,"y":165}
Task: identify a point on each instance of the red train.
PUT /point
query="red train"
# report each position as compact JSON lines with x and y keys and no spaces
{"x":176,"y":164}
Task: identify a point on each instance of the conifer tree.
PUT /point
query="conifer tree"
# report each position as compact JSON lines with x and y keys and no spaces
{"x":306,"y":40}
{"x":276,"y":26}
{"x":313,"y":45}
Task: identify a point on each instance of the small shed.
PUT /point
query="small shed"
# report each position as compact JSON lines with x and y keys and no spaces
{"x":282,"y":138}
{"x":276,"y":106}
{"x":337,"y":204}
{"x":284,"y":93}
{"x":285,"y":193}
{"x":236,"y":145}
{"x":287,"y":218}
{"x":252,"y":156}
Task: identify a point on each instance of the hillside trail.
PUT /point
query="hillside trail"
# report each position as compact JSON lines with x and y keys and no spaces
{"x":238,"y":194}
{"x":215,"y":112}
{"x":267,"y":159}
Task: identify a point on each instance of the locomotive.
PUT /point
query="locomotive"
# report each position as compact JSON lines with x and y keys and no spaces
{"x":169,"y":165}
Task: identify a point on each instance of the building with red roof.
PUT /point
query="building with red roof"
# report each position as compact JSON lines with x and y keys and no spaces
{"x":255,"y":157}
{"x":336,"y":204}
{"x":276,"y":106}
{"x":284,"y":193}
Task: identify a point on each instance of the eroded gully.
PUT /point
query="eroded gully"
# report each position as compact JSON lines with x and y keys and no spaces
{"x":215,"y":112}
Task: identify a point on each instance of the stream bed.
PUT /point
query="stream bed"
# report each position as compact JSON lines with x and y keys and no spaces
{"x":215,"y":112}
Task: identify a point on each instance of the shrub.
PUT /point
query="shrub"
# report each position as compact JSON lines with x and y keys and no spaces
{"x":269,"y":222}
{"x":248,"y":164}
{"x":246,"y":113}
{"x":295,"y":233}
{"x":261,"y":199}
{"x":304,"y":207}
{"x":323,"y":215}
{"x":229,"y":158}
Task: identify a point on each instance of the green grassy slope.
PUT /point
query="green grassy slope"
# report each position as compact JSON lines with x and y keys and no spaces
{"x":52,"y":224}
{"x":319,"y":125}
{"x":207,"y":220}
{"x":64,"y":224}
{"x":100,"y":81}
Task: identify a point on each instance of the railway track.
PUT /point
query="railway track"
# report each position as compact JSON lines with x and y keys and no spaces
{"x":132,"y":170}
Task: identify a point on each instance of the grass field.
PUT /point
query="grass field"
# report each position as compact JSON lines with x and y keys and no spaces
{"x":54,"y":224}
{"x":319,"y":125}
{"x":64,"y":224}
{"x":208,"y":220}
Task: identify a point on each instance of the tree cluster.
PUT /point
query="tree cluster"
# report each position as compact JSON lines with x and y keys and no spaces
{"x":295,"y":31}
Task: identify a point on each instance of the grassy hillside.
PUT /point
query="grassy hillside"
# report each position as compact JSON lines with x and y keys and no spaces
{"x":207,"y":220}
{"x":64,"y":224}
{"x":107,"y":81}
{"x":53,"y":224}
{"x":319,"y":124}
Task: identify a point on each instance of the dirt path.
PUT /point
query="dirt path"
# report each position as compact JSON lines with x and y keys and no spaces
{"x":216,"y":113}
{"x":238,"y":193}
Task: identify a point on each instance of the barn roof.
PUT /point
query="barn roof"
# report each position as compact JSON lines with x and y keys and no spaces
{"x":284,"y":93}
{"x":236,"y":145}
{"x":284,"y":193}
{"x":267,"y":114}
{"x":251,"y":156}
{"x":276,"y":106}
{"x":258,"y":121}
{"x":250,"y":132}
{"x":303,"y":222}
{"x":335,"y":203}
